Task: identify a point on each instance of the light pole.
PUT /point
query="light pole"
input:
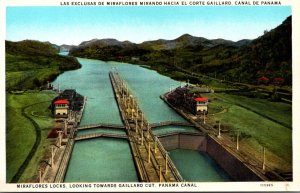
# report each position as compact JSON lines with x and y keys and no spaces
{"x":59,"y":138}
{"x":40,"y":176}
{"x":125,"y":101}
{"x":237,"y":140}
{"x":155,"y":145}
{"x":142,"y":119}
{"x":142,"y":137}
{"x":149,"y":153}
{"x":132,"y":101}
{"x":264,"y":159}
{"x":219,"y":133}
{"x":136,"y":125}
{"x":166,"y":162}
{"x":160,"y":175}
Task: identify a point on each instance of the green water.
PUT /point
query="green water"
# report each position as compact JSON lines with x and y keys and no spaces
{"x":147,"y":86}
{"x":197,"y":166}
{"x":101,"y":160}
{"x":104,"y":159}
{"x":92,"y":81}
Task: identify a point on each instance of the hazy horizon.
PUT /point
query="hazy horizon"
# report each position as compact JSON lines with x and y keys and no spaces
{"x":120,"y":40}
{"x":73,"y":25}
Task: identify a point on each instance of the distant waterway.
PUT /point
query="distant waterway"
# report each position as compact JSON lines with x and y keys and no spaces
{"x":98,"y":159}
{"x":63,"y":53}
{"x":147,"y":86}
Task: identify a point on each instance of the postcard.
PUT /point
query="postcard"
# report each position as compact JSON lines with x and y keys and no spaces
{"x":149,"y":95}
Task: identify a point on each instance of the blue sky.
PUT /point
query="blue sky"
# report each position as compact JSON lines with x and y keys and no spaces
{"x":72,"y":25}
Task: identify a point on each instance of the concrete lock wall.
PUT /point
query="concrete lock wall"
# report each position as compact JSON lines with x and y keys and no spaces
{"x":170,"y":142}
{"x":232,"y":165}
{"x":193,"y":142}
{"x":227,"y":161}
{"x":183,"y":141}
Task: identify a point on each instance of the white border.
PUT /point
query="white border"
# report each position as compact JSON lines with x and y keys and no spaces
{"x":211,"y":186}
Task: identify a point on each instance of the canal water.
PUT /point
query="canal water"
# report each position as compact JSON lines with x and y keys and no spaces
{"x":102,"y":160}
{"x":197,"y":166}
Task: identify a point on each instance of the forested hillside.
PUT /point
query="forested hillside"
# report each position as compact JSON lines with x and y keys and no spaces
{"x":245,"y":61}
{"x":29,"y":64}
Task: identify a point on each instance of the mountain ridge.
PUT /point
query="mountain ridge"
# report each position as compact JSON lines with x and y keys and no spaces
{"x":184,"y":39}
{"x":244,"y":60}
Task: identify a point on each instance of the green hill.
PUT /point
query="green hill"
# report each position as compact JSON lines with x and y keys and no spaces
{"x":30,"y":64}
{"x":269,"y":55}
{"x":242,"y":61}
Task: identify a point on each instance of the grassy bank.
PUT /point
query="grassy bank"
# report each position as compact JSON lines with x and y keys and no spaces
{"x":260,"y":122}
{"x":30,"y":64}
{"x":21,"y":133}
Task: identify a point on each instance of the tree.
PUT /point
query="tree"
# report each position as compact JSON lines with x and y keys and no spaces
{"x":266,"y":31}
{"x":36,"y":82}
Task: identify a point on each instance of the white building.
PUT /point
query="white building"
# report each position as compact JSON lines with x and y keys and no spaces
{"x":61,"y":108}
{"x":201,"y":105}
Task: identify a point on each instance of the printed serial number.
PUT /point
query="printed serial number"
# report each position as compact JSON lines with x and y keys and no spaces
{"x":266,"y":185}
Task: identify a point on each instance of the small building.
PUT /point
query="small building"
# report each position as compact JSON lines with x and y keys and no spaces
{"x":201,"y":105}
{"x":68,"y":101}
{"x":263,"y":80}
{"x":61,"y":108}
{"x":189,"y":97}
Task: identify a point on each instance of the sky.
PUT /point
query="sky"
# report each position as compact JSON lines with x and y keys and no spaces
{"x":72,"y":25}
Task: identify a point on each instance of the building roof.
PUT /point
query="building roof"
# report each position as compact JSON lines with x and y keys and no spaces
{"x":201,"y":99}
{"x":61,"y":102}
{"x":263,"y":78}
